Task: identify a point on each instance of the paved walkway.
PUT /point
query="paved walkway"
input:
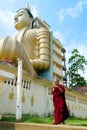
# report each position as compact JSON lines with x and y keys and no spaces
{"x":31,"y":126}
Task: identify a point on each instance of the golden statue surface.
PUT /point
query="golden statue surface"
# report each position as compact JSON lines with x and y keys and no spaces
{"x":30,"y":43}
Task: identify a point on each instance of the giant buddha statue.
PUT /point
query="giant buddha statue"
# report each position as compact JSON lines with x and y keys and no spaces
{"x":30,"y":43}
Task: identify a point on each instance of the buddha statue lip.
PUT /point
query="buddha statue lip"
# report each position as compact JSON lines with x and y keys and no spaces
{"x":30,"y":43}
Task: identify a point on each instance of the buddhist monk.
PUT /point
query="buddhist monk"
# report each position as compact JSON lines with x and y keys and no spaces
{"x":60,"y":108}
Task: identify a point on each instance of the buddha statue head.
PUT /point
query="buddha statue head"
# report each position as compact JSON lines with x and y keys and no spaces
{"x":23,"y":18}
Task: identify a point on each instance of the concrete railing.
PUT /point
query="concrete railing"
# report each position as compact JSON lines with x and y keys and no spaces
{"x":28,"y":126}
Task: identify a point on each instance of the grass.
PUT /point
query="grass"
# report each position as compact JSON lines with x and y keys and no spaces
{"x":45,"y":120}
{"x":76,"y":121}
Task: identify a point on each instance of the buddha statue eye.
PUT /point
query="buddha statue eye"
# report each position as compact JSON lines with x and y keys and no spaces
{"x":17,"y":15}
{"x":20,"y":14}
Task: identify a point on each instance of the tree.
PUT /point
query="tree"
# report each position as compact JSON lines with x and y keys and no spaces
{"x":77,"y":64}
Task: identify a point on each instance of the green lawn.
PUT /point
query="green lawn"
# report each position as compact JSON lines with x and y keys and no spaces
{"x":45,"y":120}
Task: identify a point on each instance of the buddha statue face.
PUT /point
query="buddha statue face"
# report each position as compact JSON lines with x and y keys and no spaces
{"x":23,"y":18}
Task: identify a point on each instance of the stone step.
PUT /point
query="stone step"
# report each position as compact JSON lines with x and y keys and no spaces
{"x":31,"y":126}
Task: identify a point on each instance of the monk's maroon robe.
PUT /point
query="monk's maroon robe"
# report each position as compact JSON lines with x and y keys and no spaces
{"x":60,"y":108}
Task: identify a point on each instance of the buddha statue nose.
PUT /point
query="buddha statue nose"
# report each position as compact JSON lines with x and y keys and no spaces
{"x":15,"y":17}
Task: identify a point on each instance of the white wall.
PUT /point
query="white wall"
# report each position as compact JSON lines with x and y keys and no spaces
{"x":37,"y":100}
{"x":34,"y":99}
{"x":77,"y":104}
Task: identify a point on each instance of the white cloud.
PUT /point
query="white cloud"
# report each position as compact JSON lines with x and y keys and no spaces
{"x":80,"y":45}
{"x":82,"y":48}
{"x":59,"y":36}
{"x":11,"y":1}
{"x":74,"y":12}
{"x":6,"y":17}
{"x":34,"y":10}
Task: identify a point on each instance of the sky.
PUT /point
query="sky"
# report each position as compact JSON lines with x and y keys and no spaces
{"x":67,"y":19}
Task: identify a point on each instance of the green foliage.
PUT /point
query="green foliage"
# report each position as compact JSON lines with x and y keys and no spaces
{"x":45,"y":120}
{"x":29,"y":119}
{"x":77,"y":64}
{"x":76,"y":121}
